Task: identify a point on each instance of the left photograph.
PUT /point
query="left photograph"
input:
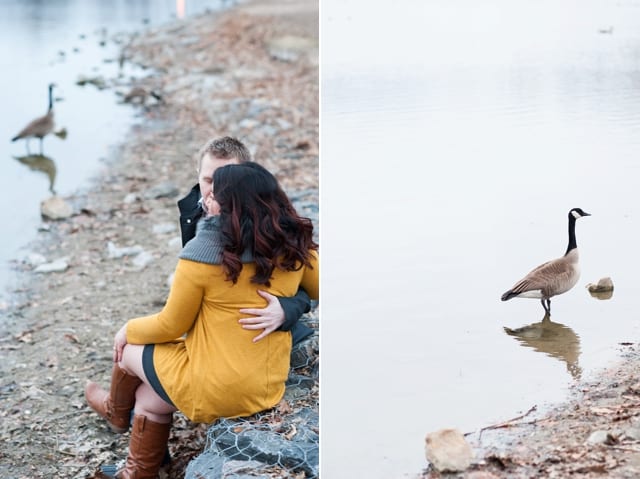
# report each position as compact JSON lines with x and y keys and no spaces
{"x":159,"y":282}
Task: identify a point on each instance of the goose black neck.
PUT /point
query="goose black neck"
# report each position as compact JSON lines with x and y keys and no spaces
{"x":50,"y":98}
{"x":572,"y":234}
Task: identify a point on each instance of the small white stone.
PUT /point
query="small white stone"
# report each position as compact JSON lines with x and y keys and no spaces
{"x":56,"y":266}
{"x":163,"y":228}
{"x":114,"y":251}
{"x":34,"y":259}
{"x":175,"y":242}
{"x":142,"y":260}
{"x":598,"y":437}
{"x":130,"y":198}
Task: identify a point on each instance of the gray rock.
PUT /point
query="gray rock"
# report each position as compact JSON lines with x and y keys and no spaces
{"x":164,"y":228}
{"x":598,"y":437}
{"x":34,"y":259}
{"x":208,"y":464}
{"x":633,"y":432}
{"x":55,"y":208}
{"x":248,"y":123}
{"x":163,"y":190}
{"x":239,"y":470}
{"x":56,"y":266}
{"x":289,"y":47}
{"x":283,"y":124}
{"x":447,"y":450}
{"x":131,"y":198}
{"x":265,"y":445}
{"x":115,"y":252}
{"x":175,"y":242}
{"x":141,"y":260}
{"x":603,"y":285}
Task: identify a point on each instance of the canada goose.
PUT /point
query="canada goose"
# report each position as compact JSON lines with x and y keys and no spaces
{"x":553,"y":277}
{"x":40,"y":127}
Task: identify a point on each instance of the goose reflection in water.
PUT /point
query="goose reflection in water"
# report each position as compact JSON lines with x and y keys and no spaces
{"x":43,"y":164}
{"x":553,"y":339}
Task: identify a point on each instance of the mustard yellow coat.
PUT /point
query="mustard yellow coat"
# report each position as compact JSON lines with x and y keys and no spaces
{"x":216,"y":370}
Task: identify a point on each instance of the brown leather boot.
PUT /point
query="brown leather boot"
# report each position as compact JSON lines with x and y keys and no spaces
{"x":147,"y":447}
{"x":114,"y":405}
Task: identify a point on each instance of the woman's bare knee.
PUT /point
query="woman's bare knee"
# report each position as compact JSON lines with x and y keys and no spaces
{"x":132,"y":360}
{"x":150,"y":404}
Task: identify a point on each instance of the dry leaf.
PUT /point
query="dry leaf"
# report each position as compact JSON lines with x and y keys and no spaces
{"x":72,"y":337}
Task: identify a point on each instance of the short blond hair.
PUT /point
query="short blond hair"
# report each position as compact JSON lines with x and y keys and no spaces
{"x":224,"y":148}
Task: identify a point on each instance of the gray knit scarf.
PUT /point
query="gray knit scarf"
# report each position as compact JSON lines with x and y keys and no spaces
{"x":206,"y":246}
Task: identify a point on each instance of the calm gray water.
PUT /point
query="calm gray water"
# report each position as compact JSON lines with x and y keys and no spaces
{"x":60,"y":41}
{"x":456,"y":136}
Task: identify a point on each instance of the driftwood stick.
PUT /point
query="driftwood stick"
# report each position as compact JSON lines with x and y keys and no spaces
{"x":508,"y":423}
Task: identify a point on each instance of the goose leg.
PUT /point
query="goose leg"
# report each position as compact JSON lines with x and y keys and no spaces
{"x":546,"y":304}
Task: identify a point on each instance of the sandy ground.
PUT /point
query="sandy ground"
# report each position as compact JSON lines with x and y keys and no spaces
{"x":250,"y":72}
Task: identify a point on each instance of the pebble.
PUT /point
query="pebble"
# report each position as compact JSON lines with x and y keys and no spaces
{"x":599,"y":437}
{"x":130,"y":198}
{"x":142,"y":259}
{"x":165,"y":189}
{"x":56,"y":266}
{"x":164,"y":228}
{"x":114,"y":251}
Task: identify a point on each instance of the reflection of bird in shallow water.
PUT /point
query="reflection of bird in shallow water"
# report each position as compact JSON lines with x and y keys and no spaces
{"x":553,"y":339}
{"x":41,"y":163}
{"x":41,"y":126}
{"x":553,"y":277}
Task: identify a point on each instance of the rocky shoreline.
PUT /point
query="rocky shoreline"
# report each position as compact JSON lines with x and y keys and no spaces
{"x":594,"y":434}
{"x":250,"y":72}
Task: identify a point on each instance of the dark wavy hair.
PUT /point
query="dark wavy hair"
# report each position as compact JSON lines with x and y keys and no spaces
{"x":257,"y":216}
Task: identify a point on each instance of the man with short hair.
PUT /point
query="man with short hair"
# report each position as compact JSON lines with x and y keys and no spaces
{"x":281,"y":313}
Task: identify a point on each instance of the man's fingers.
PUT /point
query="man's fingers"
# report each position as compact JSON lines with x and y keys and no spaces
{"x":262,"y":335}
{"x":259,"y":337}
{"x":268,"y":296}
{"x":256,"y":320}
{"x":255,"y":312}
{"x":255,"y":325}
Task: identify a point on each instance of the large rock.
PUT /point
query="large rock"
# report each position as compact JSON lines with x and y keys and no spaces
{"x":55,"y":208}
{"x":447,"y":450}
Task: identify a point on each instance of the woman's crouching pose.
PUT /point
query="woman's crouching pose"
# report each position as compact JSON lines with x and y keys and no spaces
{"x":194,"y":356}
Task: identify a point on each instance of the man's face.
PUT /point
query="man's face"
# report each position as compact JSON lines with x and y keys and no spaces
{"x":208,"y":165}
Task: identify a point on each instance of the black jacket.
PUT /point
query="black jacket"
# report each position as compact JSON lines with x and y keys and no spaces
{"x":294,"y":307}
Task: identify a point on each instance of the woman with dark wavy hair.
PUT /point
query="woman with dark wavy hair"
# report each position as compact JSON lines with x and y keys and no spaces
{"x":194,"y":356}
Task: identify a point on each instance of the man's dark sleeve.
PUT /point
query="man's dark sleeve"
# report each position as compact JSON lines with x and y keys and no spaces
{"x":190,"y":213}
{"x":294,"y":307}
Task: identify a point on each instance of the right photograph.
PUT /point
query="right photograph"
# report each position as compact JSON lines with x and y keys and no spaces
{"x":479,"y":166}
